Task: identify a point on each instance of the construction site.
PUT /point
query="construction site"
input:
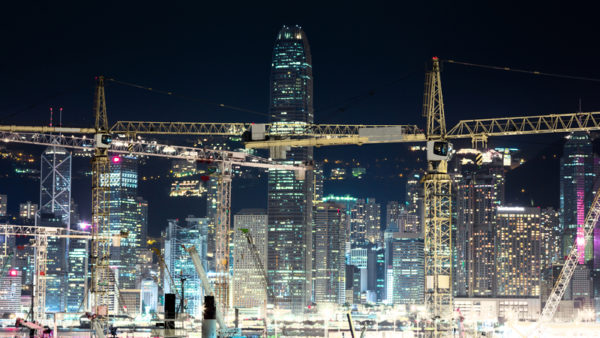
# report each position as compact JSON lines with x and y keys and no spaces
{"x":103,"y":310}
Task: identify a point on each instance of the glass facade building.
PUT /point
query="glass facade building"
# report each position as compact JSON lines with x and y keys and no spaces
{"x":290,"y":197}
{"x":576,"y":193}
{"x":404,"y":260}
{"x":55,"y":211}
{"x":124,"y":221}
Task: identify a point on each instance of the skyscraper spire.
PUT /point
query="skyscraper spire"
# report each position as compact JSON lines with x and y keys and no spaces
{"x":290,"y":198}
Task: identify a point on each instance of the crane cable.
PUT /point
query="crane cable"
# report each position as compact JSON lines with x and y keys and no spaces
{"x":523,"y":71}
{"x":195,"y":99}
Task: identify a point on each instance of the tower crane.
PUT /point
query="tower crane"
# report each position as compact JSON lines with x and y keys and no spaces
{"x":100,"y":141}
{"x":571,"y":262}
{"x":437,"y":184}
{"x":40,"y":235}
{"x":261,"y":268}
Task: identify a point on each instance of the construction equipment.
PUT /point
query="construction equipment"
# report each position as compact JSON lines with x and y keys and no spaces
{"x":571,"y":262}
{"x":224,"y":331}
{"x":261,"y":268}
{"x":40,"y":235}
{"x":161,"y":259}
{"x":437,"y":184}
{"x":437,"y":187}
{"x":101,"y":143}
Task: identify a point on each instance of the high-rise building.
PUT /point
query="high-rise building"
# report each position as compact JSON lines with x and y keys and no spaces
{"x":77,"y":271}
{"x":376,"y":272}
{"x":55,"y":184}
{"x":125,"y":227}
{"x":330,"y":232}
{"x":248,"y":280}
{"x":3,"y":205}
{"x":478,"y":191}
{"x":10,"y":292}
{"x":55,"y":211}
{"x":404,"y":261}
{"x":27,"y":210}
{"x":518,"y":244}
{"x":365,"y":222}
{"x":290,"y":196}
{"x":180,"y":265}
{"x":576,"y":193}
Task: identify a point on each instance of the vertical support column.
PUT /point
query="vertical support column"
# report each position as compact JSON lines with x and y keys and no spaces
{"x":222,"y":228}
{"x":39,"y":279}
{"x":438,"y":247}
{"x":100,"y":251}
{"x":437,"y":204}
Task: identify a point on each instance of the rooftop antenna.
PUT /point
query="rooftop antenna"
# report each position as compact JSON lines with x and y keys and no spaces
{"x":51,"y":116}
{"x":60,"y":117}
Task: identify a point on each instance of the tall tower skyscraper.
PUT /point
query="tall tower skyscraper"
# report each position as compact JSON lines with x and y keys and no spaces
{"x":576,"y":192}
{"x":55,"y":210}
{"x":55,"y":184}
{"x":478,"y":190}
{"x":290,"y":197}
{"x":125,"y":226}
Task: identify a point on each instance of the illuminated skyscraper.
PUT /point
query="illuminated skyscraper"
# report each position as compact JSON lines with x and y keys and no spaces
{"x":10,"y":292}
{"x":330,"y":232}
{"x":55,"y":211}
{"x":125,"y":226}
{"x":518,"y":246}
{"x":404,"y":260}
{"x":479,"y":190}
{"x":55,"y":184}
{"x":576,"y":193}
{"x":248,"y":284}
{"x":290,"y":197}
{"x":365,"y":222}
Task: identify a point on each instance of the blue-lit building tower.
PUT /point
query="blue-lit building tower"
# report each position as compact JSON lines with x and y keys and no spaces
{"x":125,"y":224}
{"x":290,"y":197}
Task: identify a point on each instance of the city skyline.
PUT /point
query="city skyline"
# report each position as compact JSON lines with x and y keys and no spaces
{"x":413,"y":227}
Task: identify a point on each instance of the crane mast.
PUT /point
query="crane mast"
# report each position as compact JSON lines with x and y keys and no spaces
{"x":100,"y":246}
{"x":437,"y":227}
{"x":571,"y":262}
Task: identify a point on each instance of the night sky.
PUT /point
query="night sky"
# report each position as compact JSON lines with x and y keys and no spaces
{"x":369,"y":60}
